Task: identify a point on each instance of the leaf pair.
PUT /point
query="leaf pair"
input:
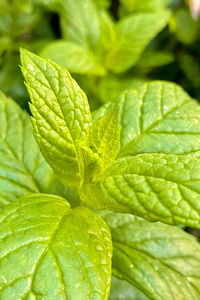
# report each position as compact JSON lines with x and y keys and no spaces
{"x":147,"y":165}
{"x":94,"y":44}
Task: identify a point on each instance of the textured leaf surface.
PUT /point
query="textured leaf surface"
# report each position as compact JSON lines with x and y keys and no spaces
{"x":123,"y":290}
{"x":156,"y":174}
{"x":22,"y":167}
{"x":105,"y":136}
{"x":158,"y":117}
{"x":160,"y":260}
{"x":51,"y":252}
{"x":155,"y":186}
{"x":80,"y":22}
{"x":61,"y":115}
{"x":133,"y":33}
{"x":75,"y":57}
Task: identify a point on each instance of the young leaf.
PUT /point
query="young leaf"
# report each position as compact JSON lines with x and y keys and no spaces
{"x":61,"y":115}
{"x":22,"y":167}
{"x":105,"y":137}
{"x":158,"y":187}
{"x":75,"y":57}
{"x":160,"y":260}
{"x":133,"y":33}
{"x":80,"y":22}
{"x":49,"y":251}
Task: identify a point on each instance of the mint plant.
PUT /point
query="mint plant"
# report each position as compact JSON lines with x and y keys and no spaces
{"x":104,"y":197}
{"x":96,"y":45}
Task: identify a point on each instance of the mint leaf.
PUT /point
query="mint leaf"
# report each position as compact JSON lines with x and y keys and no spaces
{"x":107,"y":31}
{"x":22,"y":167}
{"x":160,"y":260}
{"x":61,"y":115}
{"x":111,"y":86}
{"x":80,"y":22}
{"x":151,"y":59}
{"x":184,"y":26}
{"x":123,"y":290}
{"x":133,"y":33}
{"x":105,"y":136}
{"x":53,"y":252}
{"x":158,"y":117}
{"x":76,"y":58}
{"x":145,"y":5}
{"x":158,"y":187}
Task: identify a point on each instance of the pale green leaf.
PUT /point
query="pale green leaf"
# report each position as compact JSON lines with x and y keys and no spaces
{"x":80,"y":22}
{"x":157,"y":187}
{"x":75,"y":57}
{"x":22,"y":167}
{"x":105,"y":137}
{"x":160,"y":260}
{"x":133,"y":33}
{"x":123,"y":290}
{"x":48,"y":251}
{"x":61,"y":115}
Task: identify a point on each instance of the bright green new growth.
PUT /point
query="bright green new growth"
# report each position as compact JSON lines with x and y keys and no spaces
{"x":138,"y":156}
{"x":61,"y":115}
{"x":51,"y":251}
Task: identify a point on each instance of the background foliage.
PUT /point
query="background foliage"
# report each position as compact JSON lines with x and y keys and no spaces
{"x":165,"y":44}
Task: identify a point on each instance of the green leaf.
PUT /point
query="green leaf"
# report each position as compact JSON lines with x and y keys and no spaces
{"x":157,"y":187}
{"x":123,"y":290}
{"x":75,"y":57}
{"x":133,"y":33}
{"x":151,"y":59}
{"x":160,"y":260}
{"x":61,"y":115}
{"x":80,"y":22}
{"x":105,"y":137}
{"x":22,"y":167}
{"x":184,"y":26}
{"x":111,"y":86}
{"x":156,"y":174}
{"x":102,"y":4}
{"x":49,"y":251}
{"x":108,"y":33}
{"x":145,"y":5}
{"x":158,"y":117}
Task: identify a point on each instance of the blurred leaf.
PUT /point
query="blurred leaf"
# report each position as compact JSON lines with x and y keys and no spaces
{"x":80,"y":22}
{"x":185,"y":28}
{"x":152,"y":58}
{"x":133,"y":33}
{"x":111,"y":86}
{"x":75,"y":57}
{"x":123,"y":290}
